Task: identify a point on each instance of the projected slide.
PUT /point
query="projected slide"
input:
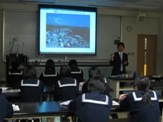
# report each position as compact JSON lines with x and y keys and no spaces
{"x":67,"y":30}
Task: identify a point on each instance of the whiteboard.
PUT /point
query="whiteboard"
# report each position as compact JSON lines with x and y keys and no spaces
{"x":21,"y":27}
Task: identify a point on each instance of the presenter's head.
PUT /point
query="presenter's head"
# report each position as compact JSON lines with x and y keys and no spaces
{"x":120,"y":46}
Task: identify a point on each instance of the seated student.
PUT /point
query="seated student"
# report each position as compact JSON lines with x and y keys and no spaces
{"x":49,"y":76}
{"x":93,"y":106}
{"x":67,"y":87}
{"x":142,"y":103}
{"x":14,"y":76}
{"x":94,"y":71}
{"x":6,"y":109}
{"x":76,"y":72}
{"x":31,"y":87}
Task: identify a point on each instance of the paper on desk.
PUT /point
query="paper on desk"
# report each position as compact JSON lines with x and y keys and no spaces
{"x":114,"y":103}
{"x":15,"y":107}
{"x":156,"y":76}
{"x":65,"y":102}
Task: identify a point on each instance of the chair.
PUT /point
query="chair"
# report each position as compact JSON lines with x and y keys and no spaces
{"x":78,"y":75}
{"x":49,"y":81}
{"x":14,"y":79}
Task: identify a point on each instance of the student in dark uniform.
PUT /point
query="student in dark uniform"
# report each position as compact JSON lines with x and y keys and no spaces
{"x":49,"y":76}
{"x":15,"y":76}
{"x":76,"y":72}
{"x":31,"y":86}
{"x":66,"y":88}
{"x":93,"y":106}
{"x":94,"y":71}
{"x":119,"y":60}
{"x":142,"y":104}
{"x":6,"y":109}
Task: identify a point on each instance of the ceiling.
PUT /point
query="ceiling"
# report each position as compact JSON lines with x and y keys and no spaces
{"x":138,"y":5}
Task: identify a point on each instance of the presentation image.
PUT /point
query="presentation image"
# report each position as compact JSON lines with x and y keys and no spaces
{"x":67,"y":31}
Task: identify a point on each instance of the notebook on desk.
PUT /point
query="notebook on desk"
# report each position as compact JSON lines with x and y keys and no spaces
{"x":66,"y":103}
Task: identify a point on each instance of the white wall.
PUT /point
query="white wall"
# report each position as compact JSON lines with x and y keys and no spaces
{"x":152,"y":25}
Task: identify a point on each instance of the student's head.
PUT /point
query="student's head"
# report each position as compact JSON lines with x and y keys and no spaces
{"x":120,"y":46}
{"x":73,"y":64}
{"x":142,"y":83}
{"x":50,"y":65}
{"x":15,"y":65}
{"x":96,"y":84}
{"x":29,"y":72}
{"x":93,"y":71}
{"x":65,"y":71}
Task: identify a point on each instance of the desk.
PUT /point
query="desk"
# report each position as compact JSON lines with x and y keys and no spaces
{"x":46,"y":109}
{"x":115,"y":84}
{"x":15,"y":93}
{"x":156,"y":84}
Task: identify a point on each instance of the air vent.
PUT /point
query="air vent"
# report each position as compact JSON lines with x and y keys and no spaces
{"x":141,"y":17}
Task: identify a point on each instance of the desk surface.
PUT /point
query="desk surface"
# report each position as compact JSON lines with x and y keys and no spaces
{"x":119,"y":77}
{"x":16,"y":92}
{"x":35,"y":109}
{"x":48,"y":108}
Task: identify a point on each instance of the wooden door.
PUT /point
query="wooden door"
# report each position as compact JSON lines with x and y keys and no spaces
{"x":150,"y":54}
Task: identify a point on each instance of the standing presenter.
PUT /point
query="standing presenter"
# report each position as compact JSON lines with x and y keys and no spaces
{"x":119,"y":60}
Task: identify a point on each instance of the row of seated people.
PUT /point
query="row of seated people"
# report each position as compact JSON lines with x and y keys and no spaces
{"x":15,"y":75}
{"x":66,"y":84}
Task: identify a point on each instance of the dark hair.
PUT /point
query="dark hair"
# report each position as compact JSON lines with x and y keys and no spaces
{"x":65,"y":71}
{"x":50,"y":65}
{"x":143,"y":83}
{"x":73,"y":64}
{"x":93,"y":71}
{"x":120,"y":44}
{"x":97,"y":84}
{"x":15,"y":65}
{"x":29,"y":72}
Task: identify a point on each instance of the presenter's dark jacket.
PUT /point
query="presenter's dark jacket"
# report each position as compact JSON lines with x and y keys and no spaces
{"x":116,"y":63}
{"x":49,"y":77}
{"x":85,"y":89}
{"x":31,"y":90}
{"x":91,"y":107}
{"x":6,"y":109}
{"x":140,"y":112}
{"x":67,"y":88}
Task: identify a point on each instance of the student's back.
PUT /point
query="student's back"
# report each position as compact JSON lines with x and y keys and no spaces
{"x":31,"y":87}
{"x":14,"y":76}
{"x":49,"y":77}
{"x":6,"y":109}
{"x":94,"y":71}
{"x":93,"y":106}
{"x":67,"y":87}
{"x":142,"y":112}
{"x":76,"y":72}
{"x":143,"y":104}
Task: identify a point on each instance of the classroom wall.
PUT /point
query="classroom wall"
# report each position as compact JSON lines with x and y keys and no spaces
{"x":151,"y":25}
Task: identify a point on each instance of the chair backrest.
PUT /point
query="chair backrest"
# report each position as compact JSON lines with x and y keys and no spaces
{"x":14,"y":79}
{"x":157,"y":85}
{"x":78,"y":75}
{"x":49,"y":80}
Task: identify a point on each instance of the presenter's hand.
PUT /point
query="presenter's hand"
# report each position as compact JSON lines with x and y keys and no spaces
{"x":125,"y":63}
{"x":112,"y":56}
